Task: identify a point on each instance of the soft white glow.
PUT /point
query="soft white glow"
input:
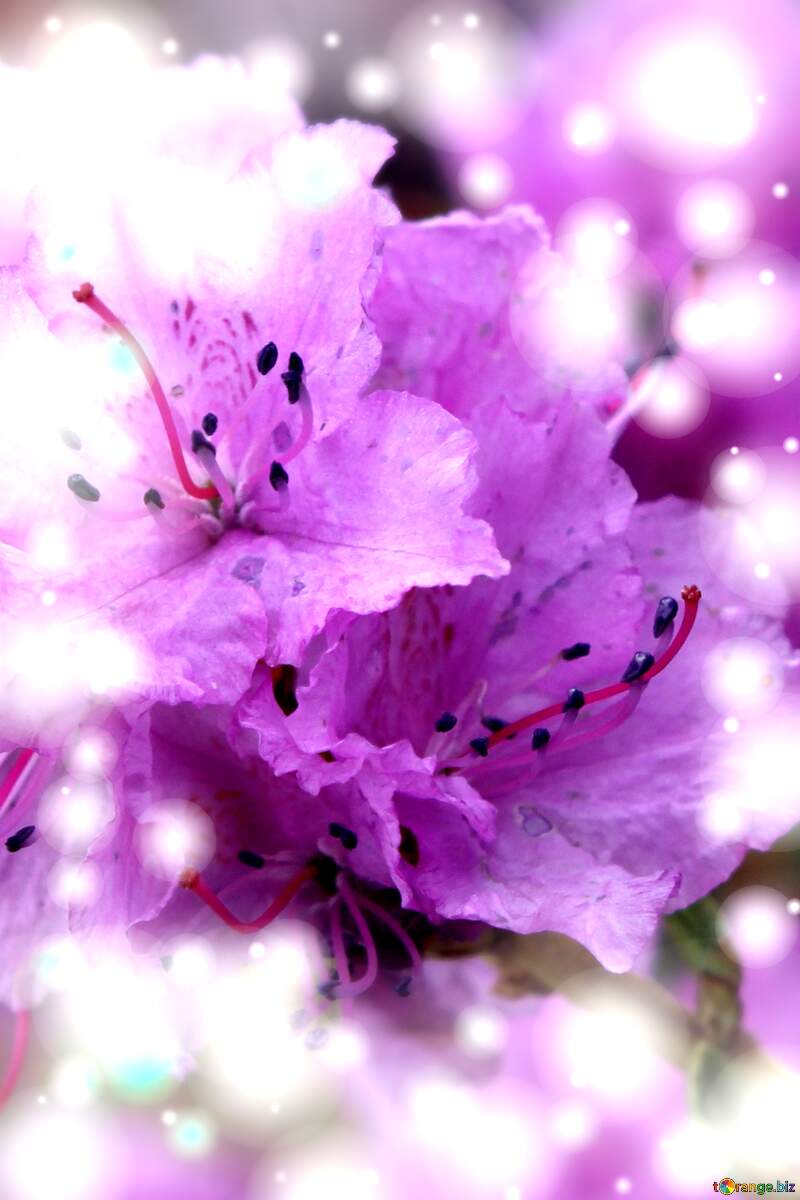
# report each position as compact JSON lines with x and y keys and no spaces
{"x":699,"y":324}
{"x":46,"y":1153}
{"x":90,"y":754}
{"x":74,"y":885}
{"x":714,"y":218}
{"x":53,"y":24}
{"x":738,"y":478}
{"x":372,"y":84}
{"x":119,"y":1012}
{"x":571,"y":325}
{"x":280,"y":65}
{"x":72,"y":813}
{"x":688,"y":1156}
{"x":170,"y":46}
{"x":96,"y":54}
{"x":491,"y":1143}
{"x":485,"y":180}
{"x":481,"y":1031}
{"x":75,"y":1082}
{"x":174,"y":835}
{"x":346,"y":1048}
{"x":742,"y":676}
{"x":754,"y":923}
{"x":610,"y":1051}
{"x":255,"y":1054}
{"x":722,"y":817}
{"x":687,"y":93}
{"x":589,"y":128}
{"x":332,"y":39}
{"x":52,"y":545}
{"x":572,"y":1123}
{"x":192,"y":963}
{"x":670,"y":398}
{"x":595,"y":238}
{"x":735,"y":318}
{"x":334,"y":1176}
{"x":780,"y":190}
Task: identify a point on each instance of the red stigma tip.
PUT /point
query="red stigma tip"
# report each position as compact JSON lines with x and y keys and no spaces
{"x":84,"y":293}
{"x":691,"y":593}
{"x":188,"y":878}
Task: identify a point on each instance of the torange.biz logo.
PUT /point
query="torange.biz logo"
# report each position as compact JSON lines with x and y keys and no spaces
{"x":729,"y":1187}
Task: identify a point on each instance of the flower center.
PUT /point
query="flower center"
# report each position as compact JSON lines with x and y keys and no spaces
{"x":641,"y":670}
{"x":219,"y":492}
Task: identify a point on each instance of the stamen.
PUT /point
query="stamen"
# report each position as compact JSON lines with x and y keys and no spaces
{"x":371,"y":972}
{"x":15,"y":773}
{"x":293,"y":377}
{"x":249,"y":858}
{"x":207,"y":455}
{"x":493,"y":724}
{"x":397,"y":929}
{"x":344,"y":835}
{"x":575,"y":700}
{"x":267,"y":357}
{"x":278,"y":477}
{"x":85,"y":294}
{"x":481,"y":746}
{"x":19,"y":839}
{"x":642,"y":661}
{"x":446,"y":722}
{"x":691,"y":596}
{"x":209,"y":423}
{"x":193,"y":881}
{"x":540,"y":739}
{"x":17,"y":1056}
{"x":306,"y":428}
{"x":81,"y":488}
{"x":666,"y":612}
{"x":578,"y":650}
{"x":153,"y":497}
{"x":70,"y":439}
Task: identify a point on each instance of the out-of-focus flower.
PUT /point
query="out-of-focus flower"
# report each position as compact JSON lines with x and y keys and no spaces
{"x":681,"y":121}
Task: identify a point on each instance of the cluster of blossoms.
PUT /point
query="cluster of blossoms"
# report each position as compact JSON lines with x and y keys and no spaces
{"x":317,"y":590}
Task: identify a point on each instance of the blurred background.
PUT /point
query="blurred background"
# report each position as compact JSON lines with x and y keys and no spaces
{"x":660,"y":143}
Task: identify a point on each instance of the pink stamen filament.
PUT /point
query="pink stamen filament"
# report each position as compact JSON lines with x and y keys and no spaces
{"x":306,"y":428}
{"x":691,"y":599}
{"x":348,"y":987}
{"x":210,"y":464}
{"x":15,"y":773}
{"x":536,"y":760}
{"x":397,"y":929}
{"x":192,"y":880}
{"x":85,"y":294}
{"x":19,"y":1045}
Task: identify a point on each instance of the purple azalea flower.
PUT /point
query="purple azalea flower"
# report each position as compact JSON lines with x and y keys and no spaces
{"x":161,"y":580}
{"x":196,"y":480}
{"x":591,"y":826}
